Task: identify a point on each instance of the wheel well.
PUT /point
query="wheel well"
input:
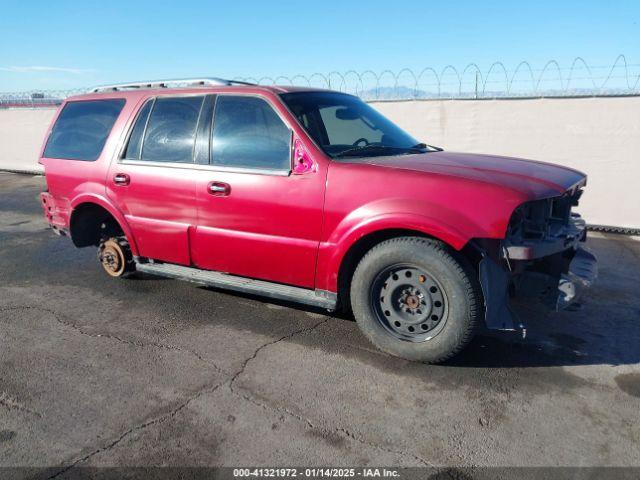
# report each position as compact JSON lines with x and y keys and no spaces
{"x":90,"y":222}
{"x":366,"y":243}
{"x":355,"y":254}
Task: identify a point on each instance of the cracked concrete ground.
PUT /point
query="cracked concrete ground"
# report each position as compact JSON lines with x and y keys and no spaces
{"x":102,"y":372}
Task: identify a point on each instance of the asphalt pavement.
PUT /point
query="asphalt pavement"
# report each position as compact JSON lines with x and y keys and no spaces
{"x":96,"y":371}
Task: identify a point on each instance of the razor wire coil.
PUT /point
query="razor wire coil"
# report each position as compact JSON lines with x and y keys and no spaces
{"x":578,"y":79}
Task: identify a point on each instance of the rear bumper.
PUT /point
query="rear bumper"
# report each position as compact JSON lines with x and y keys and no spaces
{"x":53,"y":214}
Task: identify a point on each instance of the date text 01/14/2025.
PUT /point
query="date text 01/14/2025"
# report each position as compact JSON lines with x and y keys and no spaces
{"x":315,"y":472}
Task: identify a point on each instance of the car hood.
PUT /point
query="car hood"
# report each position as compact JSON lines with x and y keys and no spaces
{"x":532,"y":178}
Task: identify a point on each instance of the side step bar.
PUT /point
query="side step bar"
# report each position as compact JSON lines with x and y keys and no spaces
{"x":316,"y":298}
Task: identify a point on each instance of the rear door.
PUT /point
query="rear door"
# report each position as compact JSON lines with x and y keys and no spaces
{"x":153,"y":182}
{"x":256,"y":218}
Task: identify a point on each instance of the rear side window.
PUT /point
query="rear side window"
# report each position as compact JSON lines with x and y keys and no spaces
{"x":247,"y":133}
{"x":171,"y":130}
{"x":82,"y":129}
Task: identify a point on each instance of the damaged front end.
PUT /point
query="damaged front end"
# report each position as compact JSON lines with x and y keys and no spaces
{"x":542,"y":259}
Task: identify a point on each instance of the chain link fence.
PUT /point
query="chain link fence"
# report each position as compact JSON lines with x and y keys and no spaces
{"x":471,"y":82}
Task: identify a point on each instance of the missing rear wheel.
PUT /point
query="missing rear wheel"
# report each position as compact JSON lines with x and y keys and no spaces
{"x":115,"y":257}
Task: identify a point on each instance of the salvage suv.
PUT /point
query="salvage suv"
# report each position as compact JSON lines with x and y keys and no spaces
{"x":312,"y":196}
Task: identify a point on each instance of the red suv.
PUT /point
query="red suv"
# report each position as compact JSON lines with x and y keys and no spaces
{"x":313,"y":196}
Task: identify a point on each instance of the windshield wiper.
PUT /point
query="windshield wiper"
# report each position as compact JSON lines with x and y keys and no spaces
{"x":424,"y":145}
{"x":349,"y":152}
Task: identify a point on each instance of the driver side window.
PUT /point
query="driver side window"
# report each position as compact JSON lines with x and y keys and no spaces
{"x":247,"y":133}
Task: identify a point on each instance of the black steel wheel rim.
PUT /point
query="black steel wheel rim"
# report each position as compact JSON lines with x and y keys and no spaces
{"x":409,"y":303}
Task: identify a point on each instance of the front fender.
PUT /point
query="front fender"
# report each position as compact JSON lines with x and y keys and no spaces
{"x":332,"y":252}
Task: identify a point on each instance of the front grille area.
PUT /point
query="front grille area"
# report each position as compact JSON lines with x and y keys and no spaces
{"x":545,"y":227}
{"x":541,"y":219}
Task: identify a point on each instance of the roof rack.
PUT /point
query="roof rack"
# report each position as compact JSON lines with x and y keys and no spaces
{"x":182,"y":82}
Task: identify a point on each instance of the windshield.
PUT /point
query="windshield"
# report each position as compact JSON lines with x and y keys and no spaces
{"x":345,"y":126}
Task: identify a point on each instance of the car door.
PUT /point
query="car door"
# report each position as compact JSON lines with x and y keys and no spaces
{"x":255,"y":217}
{"x":154,"y":182}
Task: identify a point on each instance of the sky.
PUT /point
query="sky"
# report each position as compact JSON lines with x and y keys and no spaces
{"x":70,"y":44}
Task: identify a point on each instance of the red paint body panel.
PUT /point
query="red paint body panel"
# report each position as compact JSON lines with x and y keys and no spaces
{"x":532,"y":178}
{"x":296,"y":228}
{"x":452,"y":209}
{"x":268,"y":227}
{"x":158,"y":204}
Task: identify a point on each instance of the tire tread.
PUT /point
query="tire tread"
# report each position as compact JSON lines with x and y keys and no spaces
{"x":458,"y":264}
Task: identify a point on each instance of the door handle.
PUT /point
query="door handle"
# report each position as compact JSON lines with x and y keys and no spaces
{"x":121,"y":179}
{"x":219,"y":189}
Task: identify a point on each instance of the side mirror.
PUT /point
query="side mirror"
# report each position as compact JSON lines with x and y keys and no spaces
{"x":302,"y":162}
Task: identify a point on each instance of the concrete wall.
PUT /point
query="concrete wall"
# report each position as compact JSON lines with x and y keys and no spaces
{"x":600,"y":136}
{"x":21,"y":133}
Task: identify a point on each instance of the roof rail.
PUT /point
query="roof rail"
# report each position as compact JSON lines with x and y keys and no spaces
{"x":181,"y":82}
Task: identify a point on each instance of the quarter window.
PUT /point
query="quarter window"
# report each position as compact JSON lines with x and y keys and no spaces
{"x":171,"y":130}
{"x":82,"y":129}
{"x":247,"y":133}
{"x":134,"y":146}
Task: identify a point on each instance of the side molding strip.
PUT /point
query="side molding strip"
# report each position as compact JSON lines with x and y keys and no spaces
{"x":316,"y":298}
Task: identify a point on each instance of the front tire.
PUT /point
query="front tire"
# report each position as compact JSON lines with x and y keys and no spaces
{"x":411,"y":298}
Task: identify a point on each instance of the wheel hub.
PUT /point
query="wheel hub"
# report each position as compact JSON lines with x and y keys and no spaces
{"x":112,"y":258}
{"x":410,"y":303}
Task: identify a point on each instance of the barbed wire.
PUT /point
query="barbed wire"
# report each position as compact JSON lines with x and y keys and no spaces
{"x":578,"y":79}
{"x":471,"y":82}
{"x":37,"y":97}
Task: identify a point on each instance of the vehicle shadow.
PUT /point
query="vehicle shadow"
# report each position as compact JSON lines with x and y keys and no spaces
{"x":549,"y":341}
{"x":604,"y":329}
{"x":508,"y":350}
